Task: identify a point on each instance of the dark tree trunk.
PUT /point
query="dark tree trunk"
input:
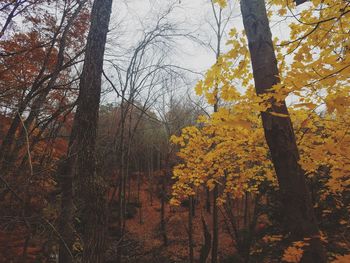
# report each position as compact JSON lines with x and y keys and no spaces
{"x":193,"y":206}
{"x":8,"y":140}
{"x":66,"y":175}
{"x":207,"y":201}
{"x":205,"y":249}
{"x":67,"y":210}
{"x":162,"y":207}
{"x":299,"y":215}
{"x":91,"y":188}
{"x":190,"y":229}
{"x":150,"y":176}
{"x":214,"y":249}
{"x":162,"y":221}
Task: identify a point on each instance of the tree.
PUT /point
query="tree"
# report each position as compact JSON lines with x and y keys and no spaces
{"x":91,"y":190}
{"x":48,"y":63}
{"x":139,"y":84}
{"x":279,"y":133}
{"x":11,"y":9}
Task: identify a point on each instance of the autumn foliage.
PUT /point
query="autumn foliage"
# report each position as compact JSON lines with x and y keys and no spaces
{"x":174,"y":180}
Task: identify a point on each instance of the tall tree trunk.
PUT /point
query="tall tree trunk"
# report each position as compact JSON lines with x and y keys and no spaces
{"x":299,"y":215}
{"x":91,"y":188}
{"x":66,"y":174}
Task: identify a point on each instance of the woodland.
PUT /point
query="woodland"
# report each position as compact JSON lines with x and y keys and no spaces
{"x":121,"y":143}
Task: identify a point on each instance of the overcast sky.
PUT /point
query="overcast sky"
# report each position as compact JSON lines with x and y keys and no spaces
{"x":129,"y":17}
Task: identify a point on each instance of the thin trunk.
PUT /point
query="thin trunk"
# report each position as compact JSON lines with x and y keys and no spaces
{"x":138,"y":186}
{"x":190,"y":230}
{"x":121,"y":195}
{"x":138,"y":194}
{"x":298,"y":211}
{"x":162,"y":216}
{"x":150,"y":177}
{"x":245,"y":209}
{"x":8,"y":140}
{"x":215,"y":245}
{"x":193,"y":210}
{"x":207,"y":202}
{"x":163,"y":200}
{"x":67,"y":210}
{"x":205,"y":249}
{"x":66,"y":175}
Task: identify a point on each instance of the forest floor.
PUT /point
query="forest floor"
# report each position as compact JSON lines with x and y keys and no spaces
{"x":144,"y":241}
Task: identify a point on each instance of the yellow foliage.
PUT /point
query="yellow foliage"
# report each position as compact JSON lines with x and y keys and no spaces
{"x":229,"y":148}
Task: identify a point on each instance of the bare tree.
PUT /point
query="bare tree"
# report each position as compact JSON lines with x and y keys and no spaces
{"x":138,"y":82}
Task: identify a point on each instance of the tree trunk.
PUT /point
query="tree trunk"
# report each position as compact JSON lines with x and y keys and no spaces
{"x":214,"y":249}
{"x":207,"y":200}
{"x":299,"y":215}
{"x":190,"y":229}
{"x":205,"y":249}
{"x":162,"y":218}
{"x":91,"y":188}
{"x":162,"y":207}
{"x":150,"y":176}
{"x":66,"y":174}
{"x":67,"y":210}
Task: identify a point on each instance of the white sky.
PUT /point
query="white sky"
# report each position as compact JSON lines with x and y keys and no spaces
{"x":129,"y":16}
{"x":189,"y":13}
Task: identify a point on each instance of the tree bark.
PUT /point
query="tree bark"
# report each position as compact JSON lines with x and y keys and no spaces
{"x":67,"y":210}
{"x":91,"y":188}
{"x":205,"y":249}
{"x":207,"y":201}
{"x":190,"y":229}
{"x":215,"y":245}
{"x":162,"y":220}
{"x":298,"y":211}
{"x":163,"y":200}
